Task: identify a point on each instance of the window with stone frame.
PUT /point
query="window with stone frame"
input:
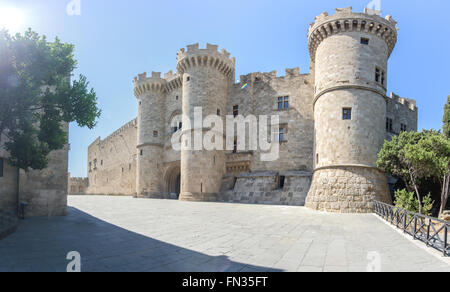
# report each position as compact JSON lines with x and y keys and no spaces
{"x":380,"y":76}
{"x":403,"y":128}
{"x":347,"y":113}
{"x":283,"y":102}
{"x":281,"y":135}
{"x":1,"y":167}
{"x":389,"y":125}
{"x":365,"y":41}
{"x":235,"y":110}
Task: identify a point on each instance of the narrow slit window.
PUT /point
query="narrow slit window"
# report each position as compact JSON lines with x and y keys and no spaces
{"x":377,"y":74}
{"x":281,"y":181}
{"x":235,"y":110}
{"x":1,"y":167}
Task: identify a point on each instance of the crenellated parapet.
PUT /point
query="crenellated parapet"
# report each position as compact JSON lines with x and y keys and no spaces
{"x":143,"y":84}
{"x":211,"y":56}
{"x":174,"y":81}
{"x":345,"y":20}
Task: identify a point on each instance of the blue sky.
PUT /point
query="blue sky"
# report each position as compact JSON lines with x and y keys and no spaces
{"x":115,"y":40}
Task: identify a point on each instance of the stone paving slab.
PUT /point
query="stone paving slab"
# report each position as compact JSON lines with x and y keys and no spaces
{"x":125,"y":234}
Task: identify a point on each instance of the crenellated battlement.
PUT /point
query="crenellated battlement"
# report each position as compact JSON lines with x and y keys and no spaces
{"x":289,"y":73}
{"x":210,"y":56}
{"x":174,"y":81}
{"x":143,"y":84}
{"x":345,"y":20}
{"x":409,"y":103}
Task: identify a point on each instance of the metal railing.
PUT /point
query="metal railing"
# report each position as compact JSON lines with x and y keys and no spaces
{"x":432,"y":231}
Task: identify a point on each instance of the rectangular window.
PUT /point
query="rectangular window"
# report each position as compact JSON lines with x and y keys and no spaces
{"x":364,"y":41}
{"x":403,"y":128}
{"x":283,"y":102}
{"x":90,"y":166}
{"x":142,"y":152}
{"x":281,"y":180}
{"x":389,"y":123}
{"x":1,"y":167}
{"x":282,"y":134}
{"x":155,"y":133}
{"x":235,"y":146}
{"x":235,"y":110}
{"x":377,"y":74}
{"x":95,"y":164}
{"x":218,"y":112}
{"x":346,"y":113}
{"x":382,"y":77}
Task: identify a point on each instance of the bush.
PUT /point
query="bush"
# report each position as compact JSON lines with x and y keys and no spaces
{"x":408,"y":201}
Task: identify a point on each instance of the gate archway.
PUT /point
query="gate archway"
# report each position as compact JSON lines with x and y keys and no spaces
{"x":173,"y":181}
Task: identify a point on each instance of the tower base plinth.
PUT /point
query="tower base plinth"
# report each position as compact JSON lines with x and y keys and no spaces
{"x":351,"y":189}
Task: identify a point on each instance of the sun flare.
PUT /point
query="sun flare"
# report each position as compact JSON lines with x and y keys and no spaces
{"x":11,"y":18}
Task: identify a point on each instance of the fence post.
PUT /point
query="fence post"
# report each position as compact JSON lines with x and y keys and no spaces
{"x":428,"y":233}
{"x":415,"y":227}
{"x":445,"y":240}
{"x":405,"y":215}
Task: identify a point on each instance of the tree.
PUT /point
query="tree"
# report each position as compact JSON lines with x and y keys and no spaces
{"x":446,"y":119}
{"x":433,"y":152}
{"x":408,"y":201}
{"x":37,"y":97}
{"x":395,"y":158}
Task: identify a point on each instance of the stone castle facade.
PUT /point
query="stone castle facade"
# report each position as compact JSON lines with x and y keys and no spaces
{"x":333,"y":122}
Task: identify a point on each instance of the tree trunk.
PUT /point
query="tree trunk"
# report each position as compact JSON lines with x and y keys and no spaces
{"x":445,"y":194}
{"x":417,"y":192}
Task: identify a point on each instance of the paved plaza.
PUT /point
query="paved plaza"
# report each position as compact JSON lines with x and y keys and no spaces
{"x":126,"y":234}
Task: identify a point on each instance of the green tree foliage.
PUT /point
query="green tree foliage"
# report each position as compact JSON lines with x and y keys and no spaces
{"x":415,"y":157}
{"x":446,"y":119}
{"x":408,"y":201}
{"x":37,"y":97}
{"x":433,"y":153}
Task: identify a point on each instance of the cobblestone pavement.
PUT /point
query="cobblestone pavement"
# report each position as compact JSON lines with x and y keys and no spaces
{"x":125,"y":234}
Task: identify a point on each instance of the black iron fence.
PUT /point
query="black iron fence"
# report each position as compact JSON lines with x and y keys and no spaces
{"x":432,"y":231}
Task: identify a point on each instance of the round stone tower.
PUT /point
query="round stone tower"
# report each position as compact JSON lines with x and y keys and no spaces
{"x":207,"y":76}
{"x":349,"y":54}
{"x":150,"y":92}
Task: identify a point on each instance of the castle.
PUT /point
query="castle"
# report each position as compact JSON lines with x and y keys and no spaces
{"x":332,"y":123}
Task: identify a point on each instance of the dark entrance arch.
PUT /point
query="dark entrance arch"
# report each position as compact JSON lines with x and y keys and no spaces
{"x":173,"y":182}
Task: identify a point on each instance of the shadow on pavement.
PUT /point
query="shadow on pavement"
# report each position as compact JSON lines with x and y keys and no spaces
{"x":42,"y":244}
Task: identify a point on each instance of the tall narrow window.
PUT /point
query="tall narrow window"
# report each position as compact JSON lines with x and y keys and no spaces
{"x":142,"y":152}
{"x":218,"y":111}
{"x":347,"y":113}
{"x":1,"y":167}
{"x":382,"y":77}
{"x":281,"y":180}
{"x":403,"y":128}
{"x":155,"y":133}
{"x":389,"y":123}
{"x":317,"y":158}
{"x":377,"y":74}
{"x":235,"y":110}
{"x":282,"y":135}
{"x":235,"y":146}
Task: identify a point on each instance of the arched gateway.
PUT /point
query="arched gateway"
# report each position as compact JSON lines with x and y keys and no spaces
{"x":173,"y":181}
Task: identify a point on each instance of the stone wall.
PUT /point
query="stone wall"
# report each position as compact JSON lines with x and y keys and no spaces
{"x":78,"y":185}
{"x":401,"y":111}
{"x":112,"y":163}
{"x":44,"y":191}
{"x":265,"y":188}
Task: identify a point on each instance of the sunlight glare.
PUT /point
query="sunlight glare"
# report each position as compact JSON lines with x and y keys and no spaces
{"x":12,"y":19}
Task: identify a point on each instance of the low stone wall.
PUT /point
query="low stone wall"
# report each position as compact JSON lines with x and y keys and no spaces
{"x":8,"y":224}
{"x":263,"y":188}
